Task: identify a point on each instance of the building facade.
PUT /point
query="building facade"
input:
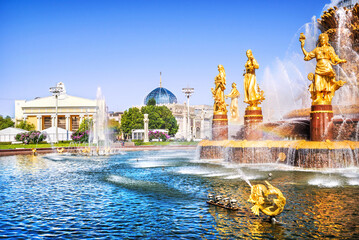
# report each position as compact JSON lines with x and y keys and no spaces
{"x":197,"y":127}
{"x":200,"y":120}
{"x":41,"y":112}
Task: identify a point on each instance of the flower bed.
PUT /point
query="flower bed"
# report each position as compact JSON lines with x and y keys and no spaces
{"x":31,"y":137}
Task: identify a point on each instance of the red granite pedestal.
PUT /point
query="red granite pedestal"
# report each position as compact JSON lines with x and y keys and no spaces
{"x":219,"y":127}
{"x":252,"y":119}
{"x":321,"y":124}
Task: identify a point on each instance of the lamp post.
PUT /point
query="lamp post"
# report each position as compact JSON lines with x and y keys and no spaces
{"x":56,"y":91}
{"x":188,"y":92}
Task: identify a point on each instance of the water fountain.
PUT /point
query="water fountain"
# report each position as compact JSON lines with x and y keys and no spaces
{"x":161,"y":194}
{"x":100,"y":136}
{"x":331,"y":130}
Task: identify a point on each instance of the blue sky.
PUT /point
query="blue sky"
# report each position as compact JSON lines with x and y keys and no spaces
{"x":122,"y":46}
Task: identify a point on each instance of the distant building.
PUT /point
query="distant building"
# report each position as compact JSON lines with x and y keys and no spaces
{"x":115,"y":116}
{"x":42,"y":111}
{"x":200,"y":115}
{"x":200,"y":120}
{"x":161,"y":95}
{"x":139,"y":134}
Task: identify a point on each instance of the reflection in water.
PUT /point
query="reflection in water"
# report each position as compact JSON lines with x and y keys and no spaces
{"x":162,"y":195}
{"x":311,"y":211}
{"x":30,"y":162}
{"x":330,"y":206}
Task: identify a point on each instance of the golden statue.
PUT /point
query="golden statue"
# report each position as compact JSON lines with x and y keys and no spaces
{"x":234,"y":94}
{"x":261,"y":197}
{"x":252,"y":93}
{"x":220,"y":106}
{"x":324,"y":84}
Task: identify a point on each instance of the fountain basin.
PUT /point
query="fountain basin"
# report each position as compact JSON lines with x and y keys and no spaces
{"x":305,"y":154}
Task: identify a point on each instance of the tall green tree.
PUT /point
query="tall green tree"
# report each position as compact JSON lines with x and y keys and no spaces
{"x":6,"y":122}
{"x":131,"y":119}
{"x":25,"y":125}
{"x":160,"y":117}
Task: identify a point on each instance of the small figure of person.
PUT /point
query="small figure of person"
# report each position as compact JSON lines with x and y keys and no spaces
{"x":234,"y":94}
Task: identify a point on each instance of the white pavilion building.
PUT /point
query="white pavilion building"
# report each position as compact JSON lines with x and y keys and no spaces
{"x":42,"y":111}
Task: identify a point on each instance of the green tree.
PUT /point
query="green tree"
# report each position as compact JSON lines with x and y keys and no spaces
{"x":160,"y":117}
{"x":6,"y":122}
{"x":131,"y":119}
{"x":85,"y":125}
{"x":25,"y":125}
{"x":151,"y":102}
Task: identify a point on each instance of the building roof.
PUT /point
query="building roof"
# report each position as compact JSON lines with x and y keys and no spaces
{"x":161,"y":95}
{"x":64,"y":100}
{"x":12,"y":130}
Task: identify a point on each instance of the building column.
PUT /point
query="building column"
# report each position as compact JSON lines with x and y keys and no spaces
{"x":81,"y":118}
{"x":53,"y":118}
{"x":39,"y":122}
{"x":67,"y":121}
{"x":202,"y":125}
{"x":184,"y":124}
{"x":194,"y":130}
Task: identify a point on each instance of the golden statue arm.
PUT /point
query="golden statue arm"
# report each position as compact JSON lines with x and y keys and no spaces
{"x":334,"y":58}
{"x":307,"y":56}
{"x":255,"y":63}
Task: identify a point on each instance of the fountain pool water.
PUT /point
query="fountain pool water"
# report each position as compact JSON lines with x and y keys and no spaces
{"x":100,"y":135}
{"x":162,"y":195}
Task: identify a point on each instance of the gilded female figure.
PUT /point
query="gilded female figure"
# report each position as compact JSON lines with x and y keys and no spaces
{"x":220,"y":106}
{"x":234,"y":94}
{"x":324,"y":84}
{"x":252,"y":94}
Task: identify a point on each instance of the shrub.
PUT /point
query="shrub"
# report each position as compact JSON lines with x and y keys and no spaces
{"x":138,"y":142}
{"x":80,"y":136}
{"x":161,"y":136}
{"x":31,"y":137}
{"x":25,"y":125}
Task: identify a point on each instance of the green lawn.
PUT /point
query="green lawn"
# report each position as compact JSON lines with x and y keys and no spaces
{"x":165,"y":143}
{"x":40,"y":145}
{"x":47,"y":145}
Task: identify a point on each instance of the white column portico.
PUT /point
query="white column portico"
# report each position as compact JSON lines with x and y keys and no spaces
{"x":184,"y":124}
{"x":67,"y":121}
{"x":81,"y":118}
{"x":202,"y":124}
{"x":39,"y":122}
{"x":53,"y":117}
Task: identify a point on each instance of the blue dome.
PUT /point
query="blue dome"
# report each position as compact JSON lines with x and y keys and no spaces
{"x":162,"y":96}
